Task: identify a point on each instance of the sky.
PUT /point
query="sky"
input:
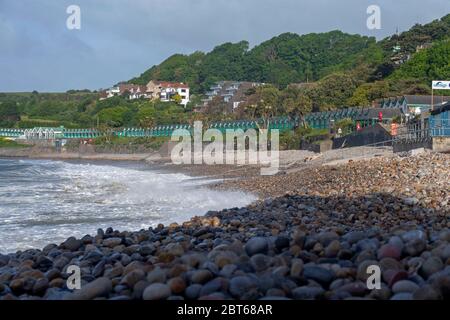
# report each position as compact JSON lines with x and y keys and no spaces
{"x":120,"y":39}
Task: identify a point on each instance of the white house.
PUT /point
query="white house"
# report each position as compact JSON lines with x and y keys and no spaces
{"x":170,"y":89}
{"x":165,"y":91}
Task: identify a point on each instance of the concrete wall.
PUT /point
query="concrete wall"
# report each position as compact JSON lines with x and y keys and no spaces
{"x":403,"y":146}
{"x":368,"y":135}
{"x":441,"y":144}
{"x":438,"y":144}
{"x":318,"y":147}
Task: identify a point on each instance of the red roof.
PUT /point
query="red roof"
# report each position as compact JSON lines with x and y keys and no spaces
{"x":165,"y":84}
{"x":131,"y":88}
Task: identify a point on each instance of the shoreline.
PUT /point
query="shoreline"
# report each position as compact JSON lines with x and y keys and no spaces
{"x":311,"y":238}
{"x":30,"y":154}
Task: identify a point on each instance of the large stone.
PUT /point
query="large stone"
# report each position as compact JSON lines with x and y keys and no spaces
{"x":430,"y":266}
{"x":402,"y":296}
{"x":307,"y":293}
{"x":393,"y":276}
{"x":133,"y":277}
{"x":404,"y":286}
{"x":40,"y":286}
{"x":225,"y":258}
{"x":427,"y":292}
{"x":100,"y":287}
{"x":177,"y":285}
{"x":325,"y":238}
{"x":296,"y":268}
{"x":72,"y":244}
{"x":319,"y":274}
{"x":411,"y":201}
{"x":281,"y":243}
{"x":201,"y":276}
{"x":415,"y":247}
{"x":260,"y":262}
{"x":389,"y":251}
{"x":243,"y":287}
{"x":332,"y":249}
{"x":193,"y":291}
{"x":156,"y":276}
{"x":256,"y":245}
{"x":156,"y":291}
{"x":215,"y":285}
{"x":112,"y":242}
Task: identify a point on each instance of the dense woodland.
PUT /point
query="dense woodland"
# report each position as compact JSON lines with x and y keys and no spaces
{"x":305,"y":73}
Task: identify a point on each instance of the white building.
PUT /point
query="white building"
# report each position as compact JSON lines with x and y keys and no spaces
{"x":165,"y":91}
{"x":171,"y":89}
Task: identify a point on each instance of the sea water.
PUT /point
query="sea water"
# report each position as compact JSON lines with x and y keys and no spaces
{"x":43,"y":201}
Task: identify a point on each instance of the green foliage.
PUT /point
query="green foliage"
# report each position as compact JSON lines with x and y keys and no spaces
{"x":179,"y":68}
{"x":177,"y":99}
{"x":332,"y":91}
{"x":7,"y":143}
{"x":149,"y":143}
{"x":333,"y":69}
{"x":9,"y":113}
{"x":419,"y":34}
{"x":427,"y":65}
{"x":368,"y":92}
{"x":290,"y":140}
{"x":113,"y":117}
{"x":35,"y":108}
{"x":282,"y":60}
{"x":346,"y":125}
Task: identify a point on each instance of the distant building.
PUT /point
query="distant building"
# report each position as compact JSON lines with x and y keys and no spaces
{"x":168,"y":90}
{"x":440,"y":121}
{"x":133,"y":91}
{"x":153,"y":89}
{"x":165,"y":91}
{"x":365,"y":117}
{"x":430,"y":130}
{"x":423,"y":46}
{"x":109,"y":93}
{"x":229,"y":93}
{"x":411,"y":105}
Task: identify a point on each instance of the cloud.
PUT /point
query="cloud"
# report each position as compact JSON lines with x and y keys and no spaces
{"x":119,"y":39}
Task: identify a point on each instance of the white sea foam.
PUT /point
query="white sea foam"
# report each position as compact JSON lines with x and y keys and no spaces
{"x":44,"y":202}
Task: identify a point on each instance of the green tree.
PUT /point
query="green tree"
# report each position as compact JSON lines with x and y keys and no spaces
{"x":9,"y":114}
{"x":113,"y":117}
{"x":9,"y":110}
{"x":177,"y":99}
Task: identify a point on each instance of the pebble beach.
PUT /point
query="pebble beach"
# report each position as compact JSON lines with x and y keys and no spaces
{"x":312,"y":235}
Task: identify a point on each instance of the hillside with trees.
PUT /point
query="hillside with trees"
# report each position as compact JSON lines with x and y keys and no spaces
{"x":312,"y":72}
{"x":285,"y":59}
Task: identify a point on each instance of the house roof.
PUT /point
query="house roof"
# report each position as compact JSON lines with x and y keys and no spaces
{"x":425,"y":99}
{"x":415,"y":100}
{"x":165,"y":84}
{"x":132,"y":88}
{"x":444,"y":107}
{"x":372,"y":113}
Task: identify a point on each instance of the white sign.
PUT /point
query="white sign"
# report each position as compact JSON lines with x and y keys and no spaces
{"x":441,"y":85}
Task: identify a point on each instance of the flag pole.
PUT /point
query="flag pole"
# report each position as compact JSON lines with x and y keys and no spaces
{"x":432,"y":98}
